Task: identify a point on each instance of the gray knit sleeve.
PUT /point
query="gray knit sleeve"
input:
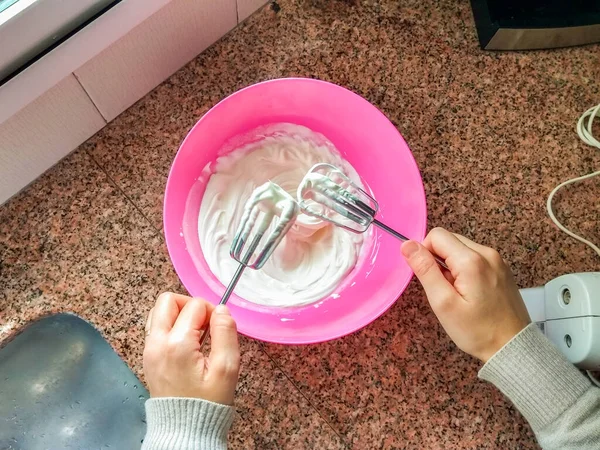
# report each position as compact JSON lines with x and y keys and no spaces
{"x":561,"y":404}
{"x":186,"y":424}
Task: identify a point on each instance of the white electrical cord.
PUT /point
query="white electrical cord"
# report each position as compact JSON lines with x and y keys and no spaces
{"x":585,"y":133}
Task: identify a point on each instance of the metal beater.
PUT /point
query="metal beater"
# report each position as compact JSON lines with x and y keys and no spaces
{"x":267,"y":203}
{"x":326,"y":192}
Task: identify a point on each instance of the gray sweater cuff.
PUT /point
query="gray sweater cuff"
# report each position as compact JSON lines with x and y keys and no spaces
{"x":535,"y":376}
{"x":186,"y":424}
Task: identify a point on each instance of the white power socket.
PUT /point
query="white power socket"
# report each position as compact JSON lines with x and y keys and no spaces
{"x":567,"y":309}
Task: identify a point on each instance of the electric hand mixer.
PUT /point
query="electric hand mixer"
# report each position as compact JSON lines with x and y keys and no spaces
{"x":268,"y":204}
{"x":326,"y":192}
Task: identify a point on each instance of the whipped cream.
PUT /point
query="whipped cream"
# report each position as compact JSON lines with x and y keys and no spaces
{"x":314,"y":256}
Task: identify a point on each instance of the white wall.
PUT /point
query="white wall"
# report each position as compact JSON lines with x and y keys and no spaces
{"x":247,"y":7}
{"x":38,"y":136}
{"x":133,"y":66}
{"x":40,"y":123}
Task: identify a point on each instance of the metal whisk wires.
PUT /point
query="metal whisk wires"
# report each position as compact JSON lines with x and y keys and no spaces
{"x":327,"y":192}
{"x":268,"y":204}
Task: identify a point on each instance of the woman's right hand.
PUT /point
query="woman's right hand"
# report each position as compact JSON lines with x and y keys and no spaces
{"x":477,"y":301}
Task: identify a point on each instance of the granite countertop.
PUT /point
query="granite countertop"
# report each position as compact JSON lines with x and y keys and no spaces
{"x":492,"y":134}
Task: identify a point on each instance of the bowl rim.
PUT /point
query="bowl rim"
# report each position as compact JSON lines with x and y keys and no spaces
{"x":421,"y":232}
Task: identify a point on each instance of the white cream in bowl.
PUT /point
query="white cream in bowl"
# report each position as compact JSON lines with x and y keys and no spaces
{"x":315,"y":256}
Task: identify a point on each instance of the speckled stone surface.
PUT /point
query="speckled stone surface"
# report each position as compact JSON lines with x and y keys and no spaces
{"x":74,"y":242}
{"x":492,"y":134}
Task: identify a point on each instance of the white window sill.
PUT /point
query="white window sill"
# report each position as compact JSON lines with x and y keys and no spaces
{"x":45,"y":73}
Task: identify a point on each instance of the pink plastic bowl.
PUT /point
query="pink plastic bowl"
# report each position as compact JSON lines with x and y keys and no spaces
{"x":368,"y":140}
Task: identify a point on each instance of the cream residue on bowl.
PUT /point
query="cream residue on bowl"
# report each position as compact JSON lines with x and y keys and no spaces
{"x":315,"y":256}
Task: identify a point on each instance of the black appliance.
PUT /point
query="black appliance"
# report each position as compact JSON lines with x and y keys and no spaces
{"x":534,"y":24}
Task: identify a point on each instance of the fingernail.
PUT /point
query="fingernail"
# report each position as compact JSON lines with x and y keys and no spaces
{"x":222,"y":309}
{"x":409,"y":248}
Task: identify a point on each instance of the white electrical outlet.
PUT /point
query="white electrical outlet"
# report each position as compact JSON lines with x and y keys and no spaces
{"x":567,"y":309}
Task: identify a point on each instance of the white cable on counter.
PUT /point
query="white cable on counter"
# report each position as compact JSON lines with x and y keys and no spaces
{"x":585,"y":133}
